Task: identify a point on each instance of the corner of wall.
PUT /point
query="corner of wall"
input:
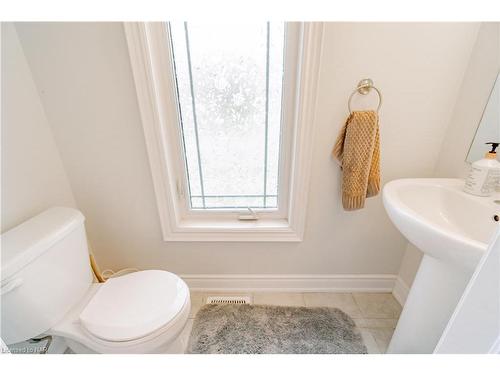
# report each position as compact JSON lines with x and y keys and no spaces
{"x":481,"y":71}
{"x":33,"y":175}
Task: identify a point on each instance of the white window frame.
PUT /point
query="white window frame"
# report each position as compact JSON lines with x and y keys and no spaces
{"x":150,"y":56}
{"x":286,"y":135}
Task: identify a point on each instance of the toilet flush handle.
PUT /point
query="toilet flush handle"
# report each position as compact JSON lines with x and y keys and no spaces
{"x":10,"y":286}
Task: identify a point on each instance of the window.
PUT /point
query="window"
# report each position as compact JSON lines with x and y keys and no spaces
{"x":227,"y":112}
{"x":229,"y":81}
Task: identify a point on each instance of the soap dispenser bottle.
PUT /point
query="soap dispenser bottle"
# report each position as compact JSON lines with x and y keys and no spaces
{"x":484,"y":174}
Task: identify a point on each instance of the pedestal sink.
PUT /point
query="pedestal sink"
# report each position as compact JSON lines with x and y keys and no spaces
{"x":452,"y":229}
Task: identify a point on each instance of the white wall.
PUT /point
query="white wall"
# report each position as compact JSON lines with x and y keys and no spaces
{"x":33,"y":177}
{"x":84,"y":79}
{"x":482,"y":69}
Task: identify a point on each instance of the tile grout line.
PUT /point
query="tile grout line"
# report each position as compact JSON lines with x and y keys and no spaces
{"x":357,"y":305}
{"x":366,"y":329}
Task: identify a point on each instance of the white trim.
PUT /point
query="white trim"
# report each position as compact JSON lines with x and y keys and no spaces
{"x":306,"y":108}
{"x":148,"y":59}
{"x":291,"y":283}
{"x":400,"y":291}
{"x":138,"y":36}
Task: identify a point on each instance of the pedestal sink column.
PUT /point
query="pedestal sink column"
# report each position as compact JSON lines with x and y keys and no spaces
{"x":436,"y":291}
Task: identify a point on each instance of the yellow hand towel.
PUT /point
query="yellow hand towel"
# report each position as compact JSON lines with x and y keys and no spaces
{"x":358,"y":150}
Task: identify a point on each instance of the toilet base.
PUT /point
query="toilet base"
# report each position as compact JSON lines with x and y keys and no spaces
{"x":176,"y":347}
{"x":167,"y":340}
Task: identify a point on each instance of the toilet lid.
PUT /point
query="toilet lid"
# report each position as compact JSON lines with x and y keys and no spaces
{"x":134,"y":305}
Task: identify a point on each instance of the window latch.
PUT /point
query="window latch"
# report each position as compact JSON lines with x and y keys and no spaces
{"x":252,"y":215}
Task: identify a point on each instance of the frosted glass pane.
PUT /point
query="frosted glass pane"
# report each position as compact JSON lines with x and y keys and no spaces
{"x":196,"y":202}
{"x":271,"y":201}
{"x":234,"y":202}
{"x":226,"y":79}
{"x":276,"y":38}
{"x":184,"y":93}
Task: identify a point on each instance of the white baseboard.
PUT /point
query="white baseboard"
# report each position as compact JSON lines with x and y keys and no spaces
{"x":291,"y":283}
{"x":400,"y":291}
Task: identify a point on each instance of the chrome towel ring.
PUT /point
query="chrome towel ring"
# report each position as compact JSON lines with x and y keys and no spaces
{"x":364,"y":87}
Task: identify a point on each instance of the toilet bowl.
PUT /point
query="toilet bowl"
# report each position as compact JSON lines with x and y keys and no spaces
{"x":47,"y":288}
{"x":142,"y":312}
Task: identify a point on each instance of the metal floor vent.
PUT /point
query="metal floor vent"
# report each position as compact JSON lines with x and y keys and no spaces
{"x":223,"y":300}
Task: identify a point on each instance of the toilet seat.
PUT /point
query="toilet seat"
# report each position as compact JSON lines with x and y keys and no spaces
{"x":158,"y":340}
{"x":134,"y":306}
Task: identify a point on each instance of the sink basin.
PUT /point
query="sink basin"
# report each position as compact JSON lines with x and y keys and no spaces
{"x":453,"y":230}
{"x":442,"y":220}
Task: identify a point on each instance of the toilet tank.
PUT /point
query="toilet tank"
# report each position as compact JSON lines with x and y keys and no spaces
{"x":45,"y":272}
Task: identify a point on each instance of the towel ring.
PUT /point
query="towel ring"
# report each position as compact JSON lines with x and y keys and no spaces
{"x":364,"y":87}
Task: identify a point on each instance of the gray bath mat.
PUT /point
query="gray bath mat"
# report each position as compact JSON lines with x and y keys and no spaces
{"x":253,"y":329}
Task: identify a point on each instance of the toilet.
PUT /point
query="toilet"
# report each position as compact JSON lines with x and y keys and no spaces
{"x":47,"y":288}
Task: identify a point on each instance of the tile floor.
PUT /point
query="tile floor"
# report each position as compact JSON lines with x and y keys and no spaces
{"x":376,"y":314}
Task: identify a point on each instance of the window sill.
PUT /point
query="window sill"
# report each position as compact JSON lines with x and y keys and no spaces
{"x":262,"y":230}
